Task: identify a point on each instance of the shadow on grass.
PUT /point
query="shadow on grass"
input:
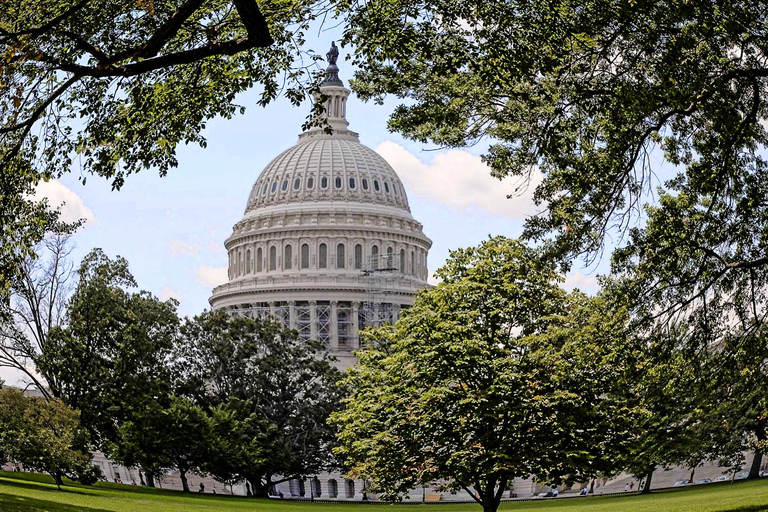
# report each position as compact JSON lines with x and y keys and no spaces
{"x":747,"y":508}
{"x":11,"y":503}
{"x":43,"y":486}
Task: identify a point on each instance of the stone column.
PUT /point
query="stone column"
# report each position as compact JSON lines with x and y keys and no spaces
{"x":313,"y":320}
{"x":355,"y":337}
{"x":292,"y":314}
{"x":334,"y":326}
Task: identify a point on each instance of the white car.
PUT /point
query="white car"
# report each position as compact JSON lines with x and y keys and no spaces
{"x":680,"y":483}
{"x":722,"y":478}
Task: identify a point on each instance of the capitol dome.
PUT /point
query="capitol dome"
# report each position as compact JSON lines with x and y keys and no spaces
{"x":327,"y":244}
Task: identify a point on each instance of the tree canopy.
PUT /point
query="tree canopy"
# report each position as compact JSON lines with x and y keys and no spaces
{"x":109,"y":88}
{"x":493,"y":374}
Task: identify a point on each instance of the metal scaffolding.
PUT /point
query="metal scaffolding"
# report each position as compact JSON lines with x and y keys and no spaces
{"x":381,"y":275}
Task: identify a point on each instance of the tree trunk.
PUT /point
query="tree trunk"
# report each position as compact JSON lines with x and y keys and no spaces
{"x":57,"y":478}
{"x":592,"y":487}
{"x":754,"y":469}
{"x":648,"y":478}
{"x":491,"y":504}
{"x":693,"y":472}
{"x":258,"y":488}
{"x":150,"y":480}
{"x":184,"y":483}
{"x":141,"y":479}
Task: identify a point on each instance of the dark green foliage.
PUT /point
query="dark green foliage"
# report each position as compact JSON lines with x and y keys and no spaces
{"x":269,"y":395}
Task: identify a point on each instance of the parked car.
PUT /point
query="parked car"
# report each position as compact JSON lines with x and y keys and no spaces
{"x":703,"y":481}
{"x":742,"y":476}
{"x":681,"y":483}
{"x":722,"y":478}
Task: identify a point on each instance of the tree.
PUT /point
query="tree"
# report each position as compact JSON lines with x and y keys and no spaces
{"x":44,"y":435}
{"x":480,"y":382}
{"x":112,"y":87}
{"x":269,"y":394}
{"x":109,"y":359}
{"x":37,"y":304}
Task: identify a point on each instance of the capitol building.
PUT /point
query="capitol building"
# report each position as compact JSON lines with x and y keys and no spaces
{"x":327,"y":244}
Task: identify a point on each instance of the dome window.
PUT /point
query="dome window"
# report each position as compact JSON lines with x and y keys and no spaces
{"x":274,"y":186}
{"x":296,"y":183}
{"x":338,"y":182}
{"x":376,"y":185}
{"x":322,"y":256}
{"x":340,"y":256}
{"x":365,"y":183}
{"x":352,"y":183}
{"x":323,"y":182}
{"x":264,"y":188}
{"x":358,"y":257}
{"x":285,"y":186}
{"x":386,"y":187}
{"x":305,"y":255}
{"x":310,"y":182}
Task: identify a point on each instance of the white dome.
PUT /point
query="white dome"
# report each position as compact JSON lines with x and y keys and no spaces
{"x":327,"y":244}
{"x":324,"y":167}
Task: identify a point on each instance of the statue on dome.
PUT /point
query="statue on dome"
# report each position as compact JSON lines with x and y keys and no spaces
{"x":333,"y":54}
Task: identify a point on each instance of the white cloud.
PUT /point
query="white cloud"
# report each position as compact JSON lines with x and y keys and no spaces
{"x":211,"y":276}
{"x":587,"y":284}
{"x":72,"y":206}
{"x":169,"y":293}
{"x":460,"y":180}
{"x":179,"y":248}
{"x":433,"y":279}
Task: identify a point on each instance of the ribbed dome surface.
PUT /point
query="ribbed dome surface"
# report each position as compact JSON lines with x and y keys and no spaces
{"x":328,"y":168}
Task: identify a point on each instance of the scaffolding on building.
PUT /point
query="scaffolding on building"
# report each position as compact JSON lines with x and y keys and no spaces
{"x":381,"y":276}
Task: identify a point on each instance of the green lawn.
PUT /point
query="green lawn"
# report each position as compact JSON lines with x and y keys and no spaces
{"x":37,"y":493}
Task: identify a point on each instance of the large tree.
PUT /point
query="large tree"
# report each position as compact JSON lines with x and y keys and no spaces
{"x":110,"y":87}
{"x":494,"y":374}
{"x":269,"y":394}
{"x":596,"y":96}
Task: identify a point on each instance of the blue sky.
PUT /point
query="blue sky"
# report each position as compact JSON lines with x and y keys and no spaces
{"x":172,"y":229}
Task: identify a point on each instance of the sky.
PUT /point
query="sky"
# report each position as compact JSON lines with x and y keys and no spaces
{"x":172,"y":229}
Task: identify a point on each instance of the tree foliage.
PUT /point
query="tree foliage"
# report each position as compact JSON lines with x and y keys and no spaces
{"x":112,"y":87}
{"x":494,"y":374}
{"x":269,"y":394}
{"x":44,"y":435}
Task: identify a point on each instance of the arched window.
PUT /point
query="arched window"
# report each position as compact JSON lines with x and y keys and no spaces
{"x":390,"y":259}
{"x":350,"y":489}
{"x":386,"y":187}
{"x":296,"y":183}
{"x":413,"y":273}
{"x":375,"y":185}
{"x":365,"y":183}
{"x":333,"y":488}
{"x":338,"y":182}
{"x":310,"y":182}
{"x":352,"y":183}
{"x":240,"y":272}
{"x":258,"y":260}
{"x":375,"y":257}
{"x":322,"y":256}
{"x":288,"y":257}
{"x":358,"y":257}
{"x":273,"y":258}
{"x":274,"y":186}
{"x":304,"y":255}
{"x":248,"y":261}
{"x":323,"y":182}
{"x":340,"y":256}
{"x":285,"y":186}
{"x":402,"y":261}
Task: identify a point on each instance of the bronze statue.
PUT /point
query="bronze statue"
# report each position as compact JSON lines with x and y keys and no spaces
{"x":333,"y":54}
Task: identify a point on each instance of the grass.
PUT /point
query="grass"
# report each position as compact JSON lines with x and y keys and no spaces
{"x":24,"y":492}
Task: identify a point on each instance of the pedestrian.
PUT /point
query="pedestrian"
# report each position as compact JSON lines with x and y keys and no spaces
{"x":202,"y":487}
{"x":626,"y":488}
{"x":554,"y":493}
{"x":632,"y":485}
